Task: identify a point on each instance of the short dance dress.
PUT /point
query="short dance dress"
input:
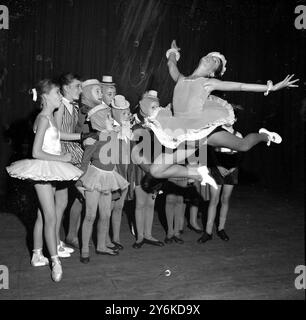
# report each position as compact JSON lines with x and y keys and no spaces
{"x":99,"y":175}
{"x":196,"y":114}
{"x":45,"y":170}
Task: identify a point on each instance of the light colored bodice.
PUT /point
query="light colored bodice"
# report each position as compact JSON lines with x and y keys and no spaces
{"x":189,"y":97}
{"x":52,"y":143}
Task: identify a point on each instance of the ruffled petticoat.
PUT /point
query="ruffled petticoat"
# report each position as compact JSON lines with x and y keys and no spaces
{"x":103,"y":181}
{"x":43,"y":170}
{"x":171,"y":130}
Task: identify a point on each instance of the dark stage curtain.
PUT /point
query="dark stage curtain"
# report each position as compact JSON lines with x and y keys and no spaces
{"x":128,"y":39}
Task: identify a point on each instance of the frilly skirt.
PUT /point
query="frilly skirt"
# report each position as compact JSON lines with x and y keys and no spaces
{"x":96,"y":179}
{"x":43,"y":170}
{"x":171,"y":130}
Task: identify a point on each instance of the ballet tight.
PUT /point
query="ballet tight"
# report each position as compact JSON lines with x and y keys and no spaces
{"x":46,"y":214}
{"x":95,"y":200}
{"x":117,"y":215}
{"x":228,"y":140}
{"x":175,"y":212}
{"x":144,"y":214}
{"x":223,"y":194}
{"x":163,"y":168}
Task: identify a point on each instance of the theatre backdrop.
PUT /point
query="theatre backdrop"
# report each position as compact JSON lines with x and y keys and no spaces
{"x":128,"y":40}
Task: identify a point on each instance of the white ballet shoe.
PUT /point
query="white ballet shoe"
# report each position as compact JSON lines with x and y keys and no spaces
{"x":57,"y":271}
{"x":62,"y":253}
{"x":206,"y":178}
{"x":272,"y":136}
{"x":38,"y":260}
{"x":67,"y":249}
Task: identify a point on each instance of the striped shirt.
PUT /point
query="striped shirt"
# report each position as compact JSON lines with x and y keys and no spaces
{"x":69,"y":122}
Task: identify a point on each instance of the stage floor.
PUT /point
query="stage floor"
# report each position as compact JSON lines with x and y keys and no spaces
{"x":266,"y":244}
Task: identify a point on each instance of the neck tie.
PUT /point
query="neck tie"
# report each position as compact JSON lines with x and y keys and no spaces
{"x":75,"y":105}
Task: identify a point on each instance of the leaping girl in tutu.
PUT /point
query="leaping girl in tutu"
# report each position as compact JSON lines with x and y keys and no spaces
{"x":49,"y":166}
{"x":199,"y":115}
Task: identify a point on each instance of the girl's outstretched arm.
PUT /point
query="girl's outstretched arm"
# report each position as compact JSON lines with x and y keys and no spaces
{"x":214,"y":84}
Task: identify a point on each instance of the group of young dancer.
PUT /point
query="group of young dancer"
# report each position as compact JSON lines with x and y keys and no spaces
{"x":90,"y":148}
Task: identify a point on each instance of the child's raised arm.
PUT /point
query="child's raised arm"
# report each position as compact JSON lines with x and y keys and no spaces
{"x":172,"y":55}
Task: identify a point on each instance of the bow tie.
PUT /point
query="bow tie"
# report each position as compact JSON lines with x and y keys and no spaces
{"x":74,"y":104}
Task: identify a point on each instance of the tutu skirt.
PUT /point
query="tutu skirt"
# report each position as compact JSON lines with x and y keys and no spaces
{"x":42,"y":170}
{"x":171,"y":130}
{"x":96,"y":179}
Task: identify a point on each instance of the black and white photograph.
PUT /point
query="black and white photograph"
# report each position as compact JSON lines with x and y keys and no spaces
{"x":152,"y":151}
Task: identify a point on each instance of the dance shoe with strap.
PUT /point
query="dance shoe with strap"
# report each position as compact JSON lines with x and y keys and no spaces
{"x":205,"y":237}
{"x":57,"y":271}
{"x":62,"y":253}
{"x":118,"y":245}
{"x":67,"y":249}
{"x":222,"y":235}
{"x":177,"y":239}
{"x":206,"y":178}
{"x":153,"y":242}
{"x":84,"y":260}
{"x":39,"y":260}
{"x":272,"y":136}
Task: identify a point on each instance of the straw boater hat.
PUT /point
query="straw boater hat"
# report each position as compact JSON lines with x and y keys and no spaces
{"x":151,"y":94}
{"x":108,"y":80}
{"x":90,"y":82}
{"x":120,"y":103}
